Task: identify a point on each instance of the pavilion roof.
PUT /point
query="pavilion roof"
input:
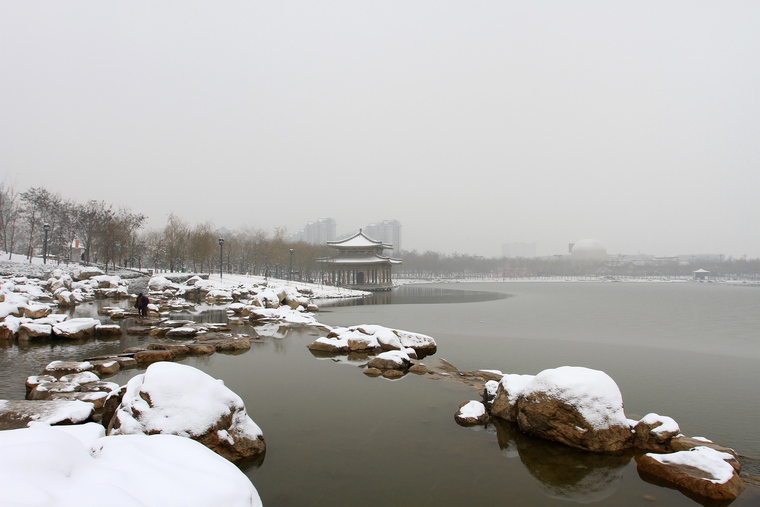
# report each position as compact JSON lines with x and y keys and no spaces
{"x":359,"y":240}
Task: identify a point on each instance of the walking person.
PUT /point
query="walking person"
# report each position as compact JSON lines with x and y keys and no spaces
{"x":144,"y":302}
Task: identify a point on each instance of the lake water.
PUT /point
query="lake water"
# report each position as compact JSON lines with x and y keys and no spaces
{"x":338,"y":438}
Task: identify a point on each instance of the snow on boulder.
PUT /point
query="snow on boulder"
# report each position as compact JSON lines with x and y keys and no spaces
{"x":61,"y":368}
{"x":10,"y":326}
{"x":106,"y":281}
{"x":77,"y":465}
{"x":17,"y":414}
{"x":508,"y":391}
{"x":391,"y":360}
{"x":701,"y":471}
{"x":9,"y":308}
{"x":31,"y":330}
{"x":159,"y":283}
{"x":653,"y":432}
{"x":576,"y":406}
{"x":176,"y":399}
{"x":37,"y":311}
{"x":369,"y":337}
{"x":76,"y":329}
{"x":471,"y":413}
{"x":86,"y":272}
{"x":219,"y":295}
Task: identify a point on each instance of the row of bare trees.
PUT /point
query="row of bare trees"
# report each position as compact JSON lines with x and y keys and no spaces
{"x":38,"y":222}
{"x":196,"y":248}
{"x":115,"y":236}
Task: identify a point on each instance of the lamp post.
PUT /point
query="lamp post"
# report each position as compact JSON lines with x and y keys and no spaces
{"x":221,"y":256}
{"x":46,"y":227}
{"x":290,"y":274}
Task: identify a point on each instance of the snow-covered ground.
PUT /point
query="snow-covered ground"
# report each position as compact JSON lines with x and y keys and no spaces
{"x":319,"y":291}
{"x":19,"y":265}
{"x":78,"y":465}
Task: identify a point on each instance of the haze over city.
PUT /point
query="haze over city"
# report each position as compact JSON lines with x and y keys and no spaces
{"x":472,"y":123}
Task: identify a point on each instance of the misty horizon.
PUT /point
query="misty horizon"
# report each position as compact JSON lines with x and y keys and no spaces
{"x":474,"y":125}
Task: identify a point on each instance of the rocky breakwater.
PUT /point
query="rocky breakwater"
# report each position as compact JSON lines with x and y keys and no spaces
{"x":583,"y":409}
{"x":394,"y":350}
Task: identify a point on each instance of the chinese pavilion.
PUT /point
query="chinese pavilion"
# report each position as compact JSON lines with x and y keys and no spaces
{"x":359,"y":263}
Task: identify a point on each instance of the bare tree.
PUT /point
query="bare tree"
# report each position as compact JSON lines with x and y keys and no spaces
{"x":9,"y":213}
{"x":35,"y":201}
{"x":89,"y":217}
{"x":175,"y":241}
{"x":202,"y":245}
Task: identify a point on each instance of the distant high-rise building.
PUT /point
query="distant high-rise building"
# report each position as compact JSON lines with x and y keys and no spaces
{"x":319,"y":232}
{"x":387,"y":231}
{"x":526,"y":250}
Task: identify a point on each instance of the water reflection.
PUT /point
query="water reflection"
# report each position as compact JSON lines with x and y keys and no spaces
{"x":415,"y":295}
{"x":563,"y":473}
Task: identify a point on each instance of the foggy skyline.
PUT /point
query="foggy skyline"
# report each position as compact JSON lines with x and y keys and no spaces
{"x":472,"y":123}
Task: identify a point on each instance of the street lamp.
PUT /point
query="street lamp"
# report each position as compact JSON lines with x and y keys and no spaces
{"x":290,"y":277}
{"x":221,"y":256}
{"x":46,"y":227}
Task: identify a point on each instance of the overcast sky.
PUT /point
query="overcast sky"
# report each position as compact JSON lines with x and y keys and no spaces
{"x":473,"y":123}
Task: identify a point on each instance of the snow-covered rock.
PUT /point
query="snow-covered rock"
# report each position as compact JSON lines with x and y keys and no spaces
{"x":31,"y":330}
{"x":17,"y":414}
{"x":370,"y":337}
{"x":576,"y":406}
{"x":653,"y":432}
{"x":159,"y":283}
{"x":76,"y":329}
{"x":86,"y":272}
{"x":702,"y":471}
{"x":471,"y":413}
{"x":175,"y":399}
{"x":391,"y":360}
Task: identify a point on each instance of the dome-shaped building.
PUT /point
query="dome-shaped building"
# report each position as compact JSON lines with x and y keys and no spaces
{"x":588,"y":250}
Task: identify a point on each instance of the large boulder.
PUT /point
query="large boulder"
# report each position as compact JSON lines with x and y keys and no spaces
{"x":175,"y":399}
{"x":576,"y":406}
{"x":159,"y":283}
{"x":86,"y":272}
{"x":702,"y":471}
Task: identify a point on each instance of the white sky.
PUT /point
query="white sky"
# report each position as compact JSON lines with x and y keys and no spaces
{"x":474,"y":123}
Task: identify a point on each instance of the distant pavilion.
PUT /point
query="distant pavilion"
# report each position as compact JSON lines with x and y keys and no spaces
{"x":359,"y":263}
